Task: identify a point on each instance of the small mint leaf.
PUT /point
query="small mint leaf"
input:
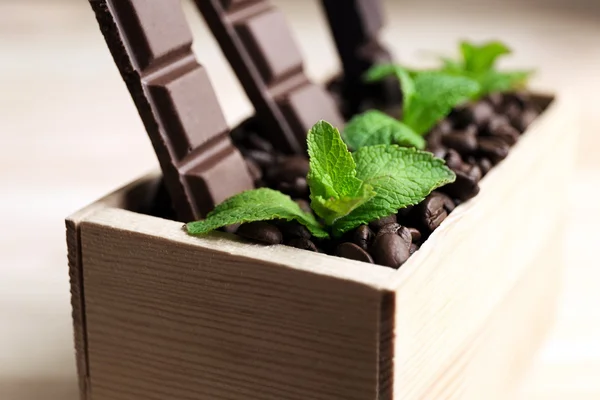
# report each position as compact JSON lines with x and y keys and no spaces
{"x":450,"y":66}
{"x":333,"y":209}
{"x":436,"y":94}
{"x":332,"y":169}
{"x":332,"y":174}
{"x":374,"y":127}
{"x":481,"y":58}
{"x":400,"y":176}
{"x":256,"y":205}
{"x":495,"y":81}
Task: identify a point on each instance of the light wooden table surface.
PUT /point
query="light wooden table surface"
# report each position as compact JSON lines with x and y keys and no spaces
{"x":70,"y":134}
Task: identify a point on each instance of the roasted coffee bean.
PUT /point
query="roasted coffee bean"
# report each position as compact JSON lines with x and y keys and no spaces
{"x":304,"y":206}
{"x":463,"y":188}
{"x":453,"y":160}
{"x":493,"y":148}
{"x":414,"y":234}
{"x":413,"y":249}
{"x":525,"y":119}
{"x":474,"y":172}
{"x":482,"y":113}
{"x":501,"y":128}
{"x":259,"y":143}
{"x":405,"y":234}
{"x":464,"y":141}
{"x":353,"y":252}
{"x":231,"y":228}
{"x":439,"y":152}
{"x":292,"y":229}
{"x":297,"y":188}
{"x":512,"y":111}
{"x":461,"y":117}
{"x":485,"y":165}
{"x":288,"y":168}
{"x":390,"y":250}
{"x":495,"y":122}
{"x":389,"y":228}
{"x":496,"y":100}
{"x":434,"y":139}
{"x":433,"y":210}
{"x":261,"y":231}
{"x":379,"y":223}
{"x":519,"y":99}
{"x":363,"y":236}
{"x":262,"y":158}
{"x":254,"y":169}
{"x":302,"y":243}
{"x":444,"y":126}
{"x":448,"y":203}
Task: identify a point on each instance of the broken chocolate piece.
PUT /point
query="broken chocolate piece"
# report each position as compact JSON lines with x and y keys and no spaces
{"x":258,"y":44}
{"x":355,"y":26}
{"x":151,"y":45}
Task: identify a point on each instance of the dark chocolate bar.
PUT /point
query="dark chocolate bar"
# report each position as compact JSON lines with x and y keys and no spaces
{"x":150,"y":42}
{"x":355,"y":26}
{"x":257,"y":42}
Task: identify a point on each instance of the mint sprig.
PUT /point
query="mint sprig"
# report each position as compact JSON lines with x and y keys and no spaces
{"x":427,"y":97}
{"x":334,"y":188}
{"x":478,"y":62}
{"x":346,"y":189}
{"x":400,"y":176}
{"x":435,"y":95}
{"x":256,"y":205}
{"x":374,"y":127}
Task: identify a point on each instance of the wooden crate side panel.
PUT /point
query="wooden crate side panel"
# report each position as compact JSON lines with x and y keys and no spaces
{"x":77,"y":305}
{"x":493,"y":361}
{"x":133,"y":195}
{"x":470,"y":265}
{"x":168,"y":319}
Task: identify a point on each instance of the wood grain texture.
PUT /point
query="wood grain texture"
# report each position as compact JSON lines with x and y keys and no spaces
{"x":170,"y":316}
{"x":217,"y":318}
{"x":449,"y":291}
{"x":136,"y":193}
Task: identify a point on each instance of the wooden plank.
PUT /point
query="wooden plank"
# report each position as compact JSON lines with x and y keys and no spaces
{"x":134,"y":195}
{"x":470,"y":266}
{"x":169,"y":315}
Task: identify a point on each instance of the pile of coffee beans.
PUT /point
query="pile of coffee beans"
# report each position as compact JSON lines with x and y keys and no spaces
{"x":472,"y":140}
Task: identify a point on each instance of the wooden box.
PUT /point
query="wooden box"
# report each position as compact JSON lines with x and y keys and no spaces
{"x":162,"y":315}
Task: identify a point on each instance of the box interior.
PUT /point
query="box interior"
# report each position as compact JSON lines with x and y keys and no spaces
{"x":152,"y":198}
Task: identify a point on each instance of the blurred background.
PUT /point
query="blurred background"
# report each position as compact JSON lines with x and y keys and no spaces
{"x":70,"y":134}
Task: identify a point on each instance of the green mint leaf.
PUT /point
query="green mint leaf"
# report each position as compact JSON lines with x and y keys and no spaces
{"x":401,"y":177}
{"x":495,"y":81}
{"x":436,"y":94}
{"x":451,"y":67}
{"x":334,"y":188}
{"x":332,"y":209}
{"x":374,"y":127}
{"x":481,"y":58}
{"x":256,"y":205}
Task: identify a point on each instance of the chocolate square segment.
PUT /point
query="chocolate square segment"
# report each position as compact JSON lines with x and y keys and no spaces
{"x":271,"y":45}
{"x":369,"y":17}
{"x":188,"y":108}
{"x":217,"y":181}
{"x":229,"y":4}
{"x":307,"y":105}
{"x":154,"y":28}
